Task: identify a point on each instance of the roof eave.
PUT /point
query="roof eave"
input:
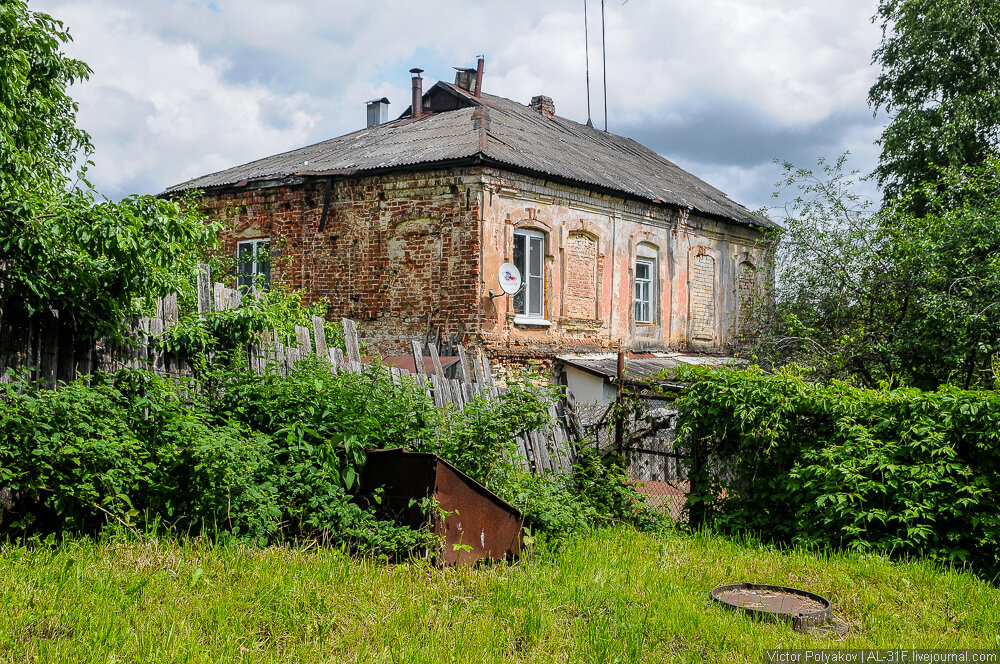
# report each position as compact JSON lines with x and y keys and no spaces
{"x":477,"y":159}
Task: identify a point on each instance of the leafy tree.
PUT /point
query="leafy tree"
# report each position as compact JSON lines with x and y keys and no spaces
{"x":63,"y":248}
{"x":940,"y":81}
{"x":826,"y":315}
{"x":946,"y":295}
{"x":39,"y":140}
{"x":891,"y":295}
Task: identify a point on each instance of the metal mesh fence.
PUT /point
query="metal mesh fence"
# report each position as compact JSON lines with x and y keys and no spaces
{"x":648,"y":439}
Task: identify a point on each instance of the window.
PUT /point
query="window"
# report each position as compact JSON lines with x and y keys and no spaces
{"x":529,"y":250}
{"x":253,"y":261}
{"x":645,"y":269}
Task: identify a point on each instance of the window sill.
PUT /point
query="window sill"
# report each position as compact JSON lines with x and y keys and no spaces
{"x":533,"y":322}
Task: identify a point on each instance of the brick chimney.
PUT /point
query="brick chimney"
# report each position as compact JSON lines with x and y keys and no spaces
{"x":543,"y":105}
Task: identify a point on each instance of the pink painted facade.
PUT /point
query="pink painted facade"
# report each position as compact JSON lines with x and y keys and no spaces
{"x":695,"y":281}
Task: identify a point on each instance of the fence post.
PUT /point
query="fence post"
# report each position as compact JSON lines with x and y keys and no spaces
{"x":204,"y":289}
{"x":418,"y":357}
{"x":619,"y":407}
{"x":351,"y":339}
{"x":696,"y":508}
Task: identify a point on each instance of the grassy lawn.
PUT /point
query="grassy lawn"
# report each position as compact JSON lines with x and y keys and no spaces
{"x":610,"y":596}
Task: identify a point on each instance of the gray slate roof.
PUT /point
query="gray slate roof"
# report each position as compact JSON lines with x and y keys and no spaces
{"x":504,"y":132}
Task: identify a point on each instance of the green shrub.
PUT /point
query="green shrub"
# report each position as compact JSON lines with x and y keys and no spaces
{"x":134,"y":443}
{"x":272,"y":457}
{"x":480,"y":439}
{"x":902,"y":471}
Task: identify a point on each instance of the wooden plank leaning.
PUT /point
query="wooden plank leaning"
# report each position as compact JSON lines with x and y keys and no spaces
{"x":436,"y":362}
{"x":204,"y":287}
{"x":484,"y":360}
{"x":351,"y":339}
{"x":302,"y":341}
{"x":418,"y":357}
{"x":463,"y":359}
{"x":219,"y":296}
{"x":319,"y":332}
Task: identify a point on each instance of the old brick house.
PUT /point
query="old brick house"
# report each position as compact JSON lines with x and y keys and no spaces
{"x":403,"y":225}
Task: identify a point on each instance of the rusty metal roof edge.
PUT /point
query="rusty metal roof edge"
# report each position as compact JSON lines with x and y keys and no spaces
{"x":475,"y":483}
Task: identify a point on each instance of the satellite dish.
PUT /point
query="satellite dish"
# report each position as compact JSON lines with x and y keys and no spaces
{"x":510,"y":278}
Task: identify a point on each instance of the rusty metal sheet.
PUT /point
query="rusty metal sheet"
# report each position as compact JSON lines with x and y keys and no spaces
{"x":476,"y":524}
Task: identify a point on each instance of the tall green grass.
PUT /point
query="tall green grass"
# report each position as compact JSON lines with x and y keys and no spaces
{"x":614,"y":595}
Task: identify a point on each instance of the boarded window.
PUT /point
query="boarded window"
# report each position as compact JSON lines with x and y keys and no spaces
{"x":746,"y":290}
{"x":581,"y":276}
{"x":702,"y":302}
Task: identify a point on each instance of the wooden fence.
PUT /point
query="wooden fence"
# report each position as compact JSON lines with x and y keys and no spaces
{"x":47,"y":351}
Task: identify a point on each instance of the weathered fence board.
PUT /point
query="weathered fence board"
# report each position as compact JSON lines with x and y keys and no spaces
{"x":47,"y":349}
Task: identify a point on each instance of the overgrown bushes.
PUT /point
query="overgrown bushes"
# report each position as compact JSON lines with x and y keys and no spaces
{"x":903,"y":471}
{"x":135,"y":445}
{"x":268,"y":457}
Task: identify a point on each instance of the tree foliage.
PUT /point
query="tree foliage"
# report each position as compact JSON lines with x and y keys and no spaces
{"x":891,"y":294}
{"x":39,"y":140}
{"x":63,"y":247}
{"x":940,"y":82}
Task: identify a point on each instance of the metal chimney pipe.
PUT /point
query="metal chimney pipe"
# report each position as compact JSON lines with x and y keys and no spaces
{"x":417,"y":107}
{"x":479,"y":76}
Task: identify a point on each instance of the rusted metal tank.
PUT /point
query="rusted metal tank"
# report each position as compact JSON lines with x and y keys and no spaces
{"x":475,"y":523}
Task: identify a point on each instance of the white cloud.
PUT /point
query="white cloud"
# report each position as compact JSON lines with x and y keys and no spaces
{"x":159,"y":112}
{"x":182,"y":88}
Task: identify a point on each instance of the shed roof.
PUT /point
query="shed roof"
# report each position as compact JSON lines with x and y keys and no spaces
{"x":641,"y":367}
{"x":497,"y":131}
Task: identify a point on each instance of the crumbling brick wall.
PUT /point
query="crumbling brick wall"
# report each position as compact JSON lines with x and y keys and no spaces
{"x":398,"y":253}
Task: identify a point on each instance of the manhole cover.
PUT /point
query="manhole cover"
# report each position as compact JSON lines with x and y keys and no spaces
{"x":803,"y":609}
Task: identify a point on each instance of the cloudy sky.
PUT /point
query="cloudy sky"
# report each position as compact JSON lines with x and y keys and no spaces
{"x":721,"y":87}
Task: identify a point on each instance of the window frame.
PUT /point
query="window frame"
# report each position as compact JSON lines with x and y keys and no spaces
{"x":248,"y":281}
{"x":530,"y":280}
{"x":650,"y":282}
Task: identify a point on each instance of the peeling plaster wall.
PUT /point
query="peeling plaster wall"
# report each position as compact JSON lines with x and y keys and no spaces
{"x":403,"y":251}
{"x":578,"y":224}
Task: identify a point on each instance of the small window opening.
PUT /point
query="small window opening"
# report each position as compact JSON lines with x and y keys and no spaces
{"x":644,"y":289}
{"x":253,"y":264}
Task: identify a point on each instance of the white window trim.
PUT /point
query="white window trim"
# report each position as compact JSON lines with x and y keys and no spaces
{"x":531,"y":318}
{"x":255,"y":265}
{"x":524,"y":319}
{"x":652,"y":281}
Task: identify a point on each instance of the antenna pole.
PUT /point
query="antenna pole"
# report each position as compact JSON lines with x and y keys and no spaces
{"x":604,"y":54}
{"x":586,"y":50}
